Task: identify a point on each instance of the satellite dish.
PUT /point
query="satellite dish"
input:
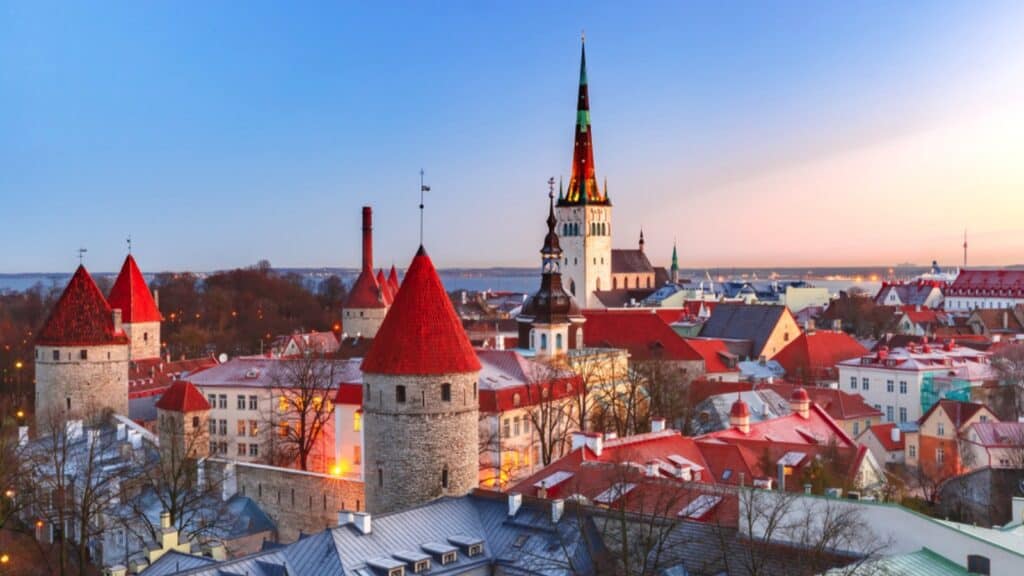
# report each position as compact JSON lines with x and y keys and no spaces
{"x":222,"y":358}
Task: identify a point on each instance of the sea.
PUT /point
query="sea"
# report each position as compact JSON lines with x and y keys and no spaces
{"x":528,"y":279}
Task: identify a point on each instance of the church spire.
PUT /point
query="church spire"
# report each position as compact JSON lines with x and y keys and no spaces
{"x":675,"y":264}
{"x":583,"y":187}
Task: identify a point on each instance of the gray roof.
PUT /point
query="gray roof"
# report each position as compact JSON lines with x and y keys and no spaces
{"x":528,"y":543}
{"x":713,"y":413}
{"x":630,"y":261}
{"x":753,"y":322}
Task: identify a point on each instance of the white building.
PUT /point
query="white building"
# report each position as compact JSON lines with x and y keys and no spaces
{"x":975,"y":289}
{"x":892,"y":380}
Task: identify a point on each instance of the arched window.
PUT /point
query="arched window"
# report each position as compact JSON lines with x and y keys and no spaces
{"x":474,"y":390}
{"x":558,"y":341}
{"x":446,"y":392}
{"x":543,"y":341}
{"x":579,"y":337}
{"x":444,"y":477}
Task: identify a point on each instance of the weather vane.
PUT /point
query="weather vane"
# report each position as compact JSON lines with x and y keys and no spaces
{"x":81,"y":255}
{"x":551,"y":187}
{"x":129,"y":240}
{"x":423,"y":188}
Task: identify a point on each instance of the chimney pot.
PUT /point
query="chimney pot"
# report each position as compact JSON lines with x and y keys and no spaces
{"x":557,"y":509}
{"x":515,"y":500}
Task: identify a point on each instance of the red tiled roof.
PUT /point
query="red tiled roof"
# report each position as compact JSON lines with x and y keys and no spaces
{"x":815,"y":355}
{"x":838,"y":404}
{"x":642,"y":332}
{"x":152,"y":376}
{"x":365,"y":293}
{"x":349,"y":393}
{"x":713,"y":352}
{"x":393,"y":281}
{"x":132,"y":296}
{"x":958,"y":412}
{"x":883,"y":432}
{"x":923,"y":316}
{"x":81,"y":316}
{"x":385,"y":287}
{"x":182,"y":396}
{"x":421,"y":333}
{"x":988,"y":283}
{"x":505,"y":374}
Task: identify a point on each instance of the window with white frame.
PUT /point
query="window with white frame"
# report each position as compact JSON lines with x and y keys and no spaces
{"x":903,"y":386}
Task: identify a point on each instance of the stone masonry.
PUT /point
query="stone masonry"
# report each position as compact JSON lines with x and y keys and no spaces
{"x":79,"y":383}
{"x":414,"y":448}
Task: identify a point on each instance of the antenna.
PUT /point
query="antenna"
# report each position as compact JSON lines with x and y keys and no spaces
{"x":81,"y":255}
{"x":423,"y":188}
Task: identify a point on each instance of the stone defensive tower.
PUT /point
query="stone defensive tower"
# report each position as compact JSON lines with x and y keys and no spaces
{"x":367,"y":303}
{"x":183,"y":415}
{"x":420,"y":402}
{"x":81,"y":357}
{"x":140,"y":316}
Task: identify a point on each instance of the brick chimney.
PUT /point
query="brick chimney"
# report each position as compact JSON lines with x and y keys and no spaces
{"x":367,"y":238}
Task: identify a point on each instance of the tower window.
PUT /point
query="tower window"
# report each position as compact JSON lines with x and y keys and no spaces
{"x":145,"y":336}
{"x":474,"y":390}
{"x":195,"y":422}
{"x":558,"y":341}
{"x":380,"y":477}
{"x":68,"y":401}
{"x":444,"y":477}
{"x":543,"y":341}
{"x":400,"y":394}
{"x":56,"y":355}
{"x":446,"y":392}
{"x":83,"y":354}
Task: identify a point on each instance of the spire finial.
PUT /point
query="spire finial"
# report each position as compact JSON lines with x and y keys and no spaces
{"x":423,"y":188}
{"x":81,"y":255}
{"x":583,"y":36}
{"x":129,"y":240}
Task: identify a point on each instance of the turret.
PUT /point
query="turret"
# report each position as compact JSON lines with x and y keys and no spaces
{"x":367,"y":302}
{"x":739,"y":415}
{"x":420,"y":403}
{"x":139,"y":314}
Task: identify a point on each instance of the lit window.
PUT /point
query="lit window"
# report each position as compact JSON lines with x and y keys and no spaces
{"x":282,"y":404}
{"x":357,"y":421}
{"x":241,"y":427}
{"x":254,"y":428}
{"x":241,"y":449}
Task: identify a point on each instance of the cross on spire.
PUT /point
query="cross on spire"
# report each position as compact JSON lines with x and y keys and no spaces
{"x":81,"y":255}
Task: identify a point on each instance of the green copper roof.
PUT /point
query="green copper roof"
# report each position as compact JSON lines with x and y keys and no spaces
{"x":924,"y":562}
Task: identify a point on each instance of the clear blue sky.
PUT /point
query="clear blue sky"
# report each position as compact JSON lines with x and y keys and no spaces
{"x":220,"y":133}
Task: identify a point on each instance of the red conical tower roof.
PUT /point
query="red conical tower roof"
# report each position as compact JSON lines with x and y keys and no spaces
{"x":132,"y":296}
{"x":385,"y":287}
{"x":393,"y":280}
{"x":421,"y":334}
{"x":365,"y":293}
{"x":183,"y":396}
{"x":81,"y":316}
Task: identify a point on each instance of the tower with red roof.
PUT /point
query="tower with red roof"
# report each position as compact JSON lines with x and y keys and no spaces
{"x":183,"y":415}
{"x":140,"y":316}
{"x":367,"y":302}
{"x":420,"y":405}
{"x":550,"y":322}
{"x":81,"y":357}
{"x":584,"y":212}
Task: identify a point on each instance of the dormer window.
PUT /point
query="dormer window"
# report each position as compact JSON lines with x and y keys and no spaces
{"x":400,"y":571}
{"x":449,"y":557}
{"x":421,"y":566}
{"x":475,"y":550}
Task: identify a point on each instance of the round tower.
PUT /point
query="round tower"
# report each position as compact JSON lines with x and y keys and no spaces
{"x":81,"y":357}
{"x":420,"y":425}
{"x":139,"y":313}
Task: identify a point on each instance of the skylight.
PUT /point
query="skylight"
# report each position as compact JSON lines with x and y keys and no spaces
{"x":618,"y":490}
{"x":700,"y":506}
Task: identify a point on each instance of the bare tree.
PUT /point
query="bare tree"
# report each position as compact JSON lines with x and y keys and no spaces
{"x":821,"y":533}
{"x":668,"y":389}
{"x":1008,"y":362}
{"x":549,"y":409}
{"x":77,"y":481}
{"x":622,"y":404}
{"x":13,"y":474}
{"x":305,"y":386}
{"x":177,"y":479}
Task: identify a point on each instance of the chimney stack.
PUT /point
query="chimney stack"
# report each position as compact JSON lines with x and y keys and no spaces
{"x":362,"y":521}
{"x":515,"y":500}
{"x":367,"y":238}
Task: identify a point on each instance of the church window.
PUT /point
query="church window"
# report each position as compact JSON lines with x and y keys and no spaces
{"x":400,"y":394}
{"x":444,"y":477}
{"x":543,"y":341}
{"x":558,"y":341}
{"x":446,"y":392}
{"x":83,"y":354}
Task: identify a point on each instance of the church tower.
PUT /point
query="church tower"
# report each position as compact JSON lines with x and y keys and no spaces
{"x":81,"y":357}
{"x":139,"y":314}
{"x":584,"y":212}
{"x":420,"y":405}
{"x":550,"y":323}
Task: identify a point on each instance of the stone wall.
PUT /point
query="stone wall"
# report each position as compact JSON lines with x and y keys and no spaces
{"x":297,"y":501}
{"x":144,"y":338}
{"x":363,"y":322}
{"x":413,"y":447}
{"x":92,"y":385}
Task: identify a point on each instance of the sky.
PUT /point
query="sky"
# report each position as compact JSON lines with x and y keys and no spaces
{"x":217,"y":134}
